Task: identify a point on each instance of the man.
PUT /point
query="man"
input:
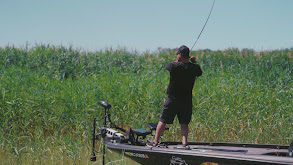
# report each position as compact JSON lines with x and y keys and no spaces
{"x":179,"y":94}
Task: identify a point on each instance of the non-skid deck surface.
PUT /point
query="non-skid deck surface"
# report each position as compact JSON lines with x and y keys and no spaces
{"x":231,"y":150}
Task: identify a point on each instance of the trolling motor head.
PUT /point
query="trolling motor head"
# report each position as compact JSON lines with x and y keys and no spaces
{"x":105,"y":104}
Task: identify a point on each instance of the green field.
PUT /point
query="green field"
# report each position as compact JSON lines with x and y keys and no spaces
{"x":49,"y":96}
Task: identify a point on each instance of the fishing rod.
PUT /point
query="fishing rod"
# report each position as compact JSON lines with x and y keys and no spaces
{"x":203,"y":26}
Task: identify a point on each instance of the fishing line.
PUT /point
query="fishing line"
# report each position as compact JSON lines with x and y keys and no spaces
{"x":203,"y":26}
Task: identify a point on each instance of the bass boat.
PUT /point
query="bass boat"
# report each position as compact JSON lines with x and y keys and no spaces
{"x":131,"y":143}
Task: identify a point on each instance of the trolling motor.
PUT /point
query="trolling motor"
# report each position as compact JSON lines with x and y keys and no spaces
{"x":106,"y":131}
{"x":131,"y":137}
{"x":103,"y":130}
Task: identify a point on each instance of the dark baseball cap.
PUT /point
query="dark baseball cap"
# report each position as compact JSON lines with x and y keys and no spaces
{"x":184,"y":51}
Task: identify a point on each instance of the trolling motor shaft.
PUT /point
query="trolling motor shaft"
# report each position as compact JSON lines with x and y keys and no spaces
{"x":290,"y":149}
{"x":93,"y":155}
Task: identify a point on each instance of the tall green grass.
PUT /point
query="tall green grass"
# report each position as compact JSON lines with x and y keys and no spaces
{"x":49,"y":95}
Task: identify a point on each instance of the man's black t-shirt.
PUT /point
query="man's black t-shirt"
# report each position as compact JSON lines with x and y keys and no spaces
{"x":182,"y":77}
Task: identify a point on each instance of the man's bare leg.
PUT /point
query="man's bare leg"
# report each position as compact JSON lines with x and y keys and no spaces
{"x":159,"y":131}
{"x":184,"y":133}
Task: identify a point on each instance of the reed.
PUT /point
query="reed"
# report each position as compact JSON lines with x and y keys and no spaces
{"x":49,"y":95}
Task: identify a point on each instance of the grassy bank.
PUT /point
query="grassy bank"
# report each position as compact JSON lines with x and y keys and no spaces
{"x":49,"y":97}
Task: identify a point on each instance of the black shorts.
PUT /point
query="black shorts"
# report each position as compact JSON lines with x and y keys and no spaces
{"x":181,"y":108}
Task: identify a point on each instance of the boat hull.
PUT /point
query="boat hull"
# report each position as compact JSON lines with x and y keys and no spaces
{"x":201,"y":154}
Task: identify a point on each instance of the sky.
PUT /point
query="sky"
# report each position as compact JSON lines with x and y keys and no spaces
{"x":94,"y":25}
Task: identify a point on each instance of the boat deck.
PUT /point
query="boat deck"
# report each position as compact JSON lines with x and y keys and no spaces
{"x":247,"y":150}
